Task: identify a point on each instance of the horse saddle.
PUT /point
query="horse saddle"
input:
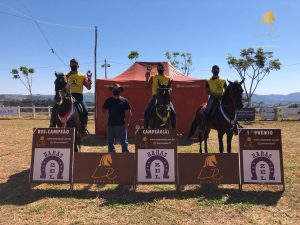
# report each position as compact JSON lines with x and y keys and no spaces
{"x":208,"y":110}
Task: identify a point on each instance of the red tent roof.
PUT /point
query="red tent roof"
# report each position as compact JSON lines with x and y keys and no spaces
{"x":138,"y":69}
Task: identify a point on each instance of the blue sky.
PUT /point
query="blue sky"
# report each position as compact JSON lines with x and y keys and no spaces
{"x":210,"y":30}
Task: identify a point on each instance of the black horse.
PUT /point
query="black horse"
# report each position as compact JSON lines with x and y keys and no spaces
{"x":66,"y":113}
{"x":222,"y":119}
{"x":161,"y":114}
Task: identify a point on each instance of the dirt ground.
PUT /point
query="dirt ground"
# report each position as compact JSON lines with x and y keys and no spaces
{"x":150,"y":204}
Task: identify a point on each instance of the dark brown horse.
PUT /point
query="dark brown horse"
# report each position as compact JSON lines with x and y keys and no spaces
{"x":67,"y":115}
{"x":161,"y":115}
{"x":222,"y":119}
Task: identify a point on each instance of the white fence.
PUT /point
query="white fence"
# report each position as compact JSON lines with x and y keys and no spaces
{"x":41,"y":110}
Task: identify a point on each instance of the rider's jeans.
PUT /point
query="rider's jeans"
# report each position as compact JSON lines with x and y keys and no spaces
{"x":117,"y":131}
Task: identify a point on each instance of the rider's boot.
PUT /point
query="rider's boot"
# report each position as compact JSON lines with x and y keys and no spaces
{"x":83,"y":122}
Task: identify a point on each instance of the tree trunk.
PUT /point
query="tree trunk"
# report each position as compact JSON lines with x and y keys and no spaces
{"x":249,"y":102}
{"x":31,"y":99}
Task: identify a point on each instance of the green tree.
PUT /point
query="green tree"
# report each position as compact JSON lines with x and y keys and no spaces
{"x":133,"y":55}
{"x":26,"y":80}
{"x":173,"y":58}
{"x":255,"y":65}
{"x":181,"y":61}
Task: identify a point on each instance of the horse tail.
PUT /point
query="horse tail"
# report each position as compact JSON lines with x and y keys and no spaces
{"x":194,"y":124}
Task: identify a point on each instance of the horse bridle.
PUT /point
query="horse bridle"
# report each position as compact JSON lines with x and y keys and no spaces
{"x":64,"y":93}
{"x":233,"y":122}
{"x":167,"y":106}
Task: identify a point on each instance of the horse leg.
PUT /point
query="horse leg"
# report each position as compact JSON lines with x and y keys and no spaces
{"x":200,"y":140}
{"x":205,"y":140}
{"x":229,"y":138}
{"x":220,"y":137}
{"x":76,"y":141}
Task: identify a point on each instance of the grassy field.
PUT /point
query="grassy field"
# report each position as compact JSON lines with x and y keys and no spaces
{"x":157,"y":204}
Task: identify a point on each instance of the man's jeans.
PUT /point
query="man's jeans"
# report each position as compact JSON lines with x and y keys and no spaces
{"x":117,"y":131}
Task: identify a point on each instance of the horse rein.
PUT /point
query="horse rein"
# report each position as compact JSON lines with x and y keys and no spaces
{"x":166,"y":107}
{"x":233,"y":122}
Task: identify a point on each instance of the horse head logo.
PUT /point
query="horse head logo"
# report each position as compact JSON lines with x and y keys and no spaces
{"x":105,"y":160}
{"x":104,"y":169}
{"x":209,"y":170}
{"x":210,"y":161}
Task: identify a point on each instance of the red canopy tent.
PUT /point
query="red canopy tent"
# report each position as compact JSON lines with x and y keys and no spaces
{"x":187,"y":95}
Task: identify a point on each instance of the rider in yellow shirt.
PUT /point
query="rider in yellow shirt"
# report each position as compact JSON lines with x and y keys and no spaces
{"x":76,"y":81}
{"x":153,"y":82}
{"x":215,"y":87}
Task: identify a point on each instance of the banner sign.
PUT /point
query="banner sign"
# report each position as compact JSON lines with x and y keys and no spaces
{"x":245,"y":114}
{"x":52,"y":155}
{"x":268,"y":113}
{"x":156,"y":151}
{"x":196,"y":168}
{"x":261,"y":156}
{"x":104,"y":168}
{"x":291,"y":112}
{"x":8,"y":111}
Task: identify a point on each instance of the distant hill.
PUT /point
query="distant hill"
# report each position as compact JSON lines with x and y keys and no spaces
{"x":89,"y":97}
{"x":277,"y":99}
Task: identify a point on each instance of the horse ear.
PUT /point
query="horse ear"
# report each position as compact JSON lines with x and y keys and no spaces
{"x":56,"y":74}
{"x":230,"y":82}
{"x":170,"y":83}
{"x":242,"y":81}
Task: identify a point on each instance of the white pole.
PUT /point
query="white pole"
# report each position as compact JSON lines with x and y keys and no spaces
{"x":19,"y":112}
{"x":33,"y":111}
{"x":49,"y":111}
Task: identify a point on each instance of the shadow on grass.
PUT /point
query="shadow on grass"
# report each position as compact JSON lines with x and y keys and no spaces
{"x":234,"y":196}
{"x":16,"y":191}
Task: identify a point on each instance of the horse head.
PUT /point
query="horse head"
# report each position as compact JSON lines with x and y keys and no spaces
{"x":61,"y":87}
{"x":234,"y":92}
{"x":164,"y":94}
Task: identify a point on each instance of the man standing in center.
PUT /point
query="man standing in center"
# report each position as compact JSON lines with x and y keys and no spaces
{"x":118,"y":111}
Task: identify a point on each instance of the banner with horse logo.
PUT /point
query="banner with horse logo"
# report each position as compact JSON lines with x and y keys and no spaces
{"x":104,"y":168}
{"x":195,"y":168}
{"x":261,"y":156}
{"x":156,"y":151}
{"x":52,"y":155}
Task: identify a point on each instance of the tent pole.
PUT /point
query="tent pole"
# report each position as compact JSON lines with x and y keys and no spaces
{"x":95,"y":76}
